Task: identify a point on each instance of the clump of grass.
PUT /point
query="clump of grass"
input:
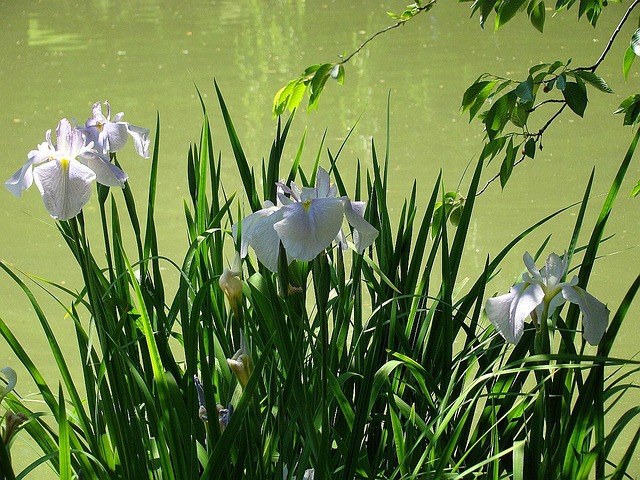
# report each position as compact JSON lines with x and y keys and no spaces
{"x":357,"y":366}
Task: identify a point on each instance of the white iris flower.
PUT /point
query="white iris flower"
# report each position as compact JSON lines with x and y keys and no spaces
{"x":110,"y":136}
{"x":63,"y":173}
{"x":306,"y":221}
{"x":542,"y":292}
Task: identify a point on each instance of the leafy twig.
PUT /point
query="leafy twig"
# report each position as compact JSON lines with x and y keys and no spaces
{"x":591,"y":68}
{"x":400,"y":22}
{"x":537,"y":135}
{"x":615,"y":33}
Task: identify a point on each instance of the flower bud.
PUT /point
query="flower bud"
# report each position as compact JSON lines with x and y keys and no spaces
{"x":224,"y":415}
{"x":231,"y":284}
{"x":241,"y":365}
{"x":13,"y":422}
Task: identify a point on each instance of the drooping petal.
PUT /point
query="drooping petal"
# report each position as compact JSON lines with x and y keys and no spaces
{"x":106,"y":172}
{"x":65,"y":186}
{"x":258,"y":232}
{"x":21,"y":180}
{"x":364,"y":233}
{"x":595,"y":314}
{"x":508,"y":312}
{"x":140,"y":139}
{"x":307,"y":228}
{"x":11,"y":378}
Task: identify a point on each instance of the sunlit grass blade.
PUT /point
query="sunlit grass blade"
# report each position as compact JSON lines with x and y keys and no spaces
{"x":64,"y":447}
{"x":241,"y":160}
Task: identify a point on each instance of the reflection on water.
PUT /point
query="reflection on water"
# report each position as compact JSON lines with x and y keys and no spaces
{"x":59,"y":57}
{"x":43,"y":37}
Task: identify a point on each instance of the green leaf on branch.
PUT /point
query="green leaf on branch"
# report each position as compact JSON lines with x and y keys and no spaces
{"x":537,"y":68}
{"x":492,"y":148}
{"x":507,"y":10}
{"x":537,"y":15}
{"x":340,"y":77}
{"x":476,"y":95}
{"x":561,"y":82}
{"x":314,"y":78}
{"x":631,"y":108}
{"x":576,"y":97}
{"x":507,"y":164}
{"x":629,"y":57}
{"x":530,"y":148}
{"x":453,"y":206}
{"x":486,"y":7}
{"x":593,"y":79}
{"x":525,"y":90}
{"x":520,"y":114}
{"x":499,"y":114}
{"x":317,"y":84}
{"x":289,"y":96}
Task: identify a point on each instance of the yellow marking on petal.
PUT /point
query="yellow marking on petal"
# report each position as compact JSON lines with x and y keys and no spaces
{"x":306,"y":205}
{"x":64,"y":163}
{"x":99,"y":126}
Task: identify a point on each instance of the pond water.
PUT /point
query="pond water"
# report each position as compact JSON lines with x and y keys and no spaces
{"x":147,"y":57}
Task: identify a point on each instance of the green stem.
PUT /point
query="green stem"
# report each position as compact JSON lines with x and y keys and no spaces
{"x":540,"y":444}
{"x":321,"y":278}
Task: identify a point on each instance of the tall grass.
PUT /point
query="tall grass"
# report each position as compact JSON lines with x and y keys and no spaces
{"x":361,"y":366}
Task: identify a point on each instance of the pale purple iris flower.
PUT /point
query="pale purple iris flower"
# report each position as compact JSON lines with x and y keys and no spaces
{"x":306,"y":220}
{"x":542,"y":291}
{"x":64,"y":172}
{"x":109,"y":135}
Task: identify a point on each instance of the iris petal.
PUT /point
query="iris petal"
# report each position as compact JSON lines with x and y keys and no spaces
{"x":21,"y":180}
{"x":106,"y":172}
{"x":140,"y":139}
{"x":114,"y":135}
{"x":323,"y":184}
{"x":65,"y":187}
{"x":11,"y":378}
{"x":258,"y":231}
{"x":309,"y":227}
{"x":595,"y":314}
{"x":364,"y":233}
{"x":553,"y":271}
{"x":533,"y":270}
{"x":508,"y":312}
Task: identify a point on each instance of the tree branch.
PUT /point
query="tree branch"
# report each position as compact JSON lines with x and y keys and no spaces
{"x":604,"y":53}
{"x":418,"y":10}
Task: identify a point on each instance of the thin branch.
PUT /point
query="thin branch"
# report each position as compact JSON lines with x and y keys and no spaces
{"x":604,"y":53}
{"x":544,"y":102}
{"x":550,"y":121}
{"x":419,"y":10}
{"x":497,"y":176}
{"x":591,"y":68}
{"x":537,"y":135}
